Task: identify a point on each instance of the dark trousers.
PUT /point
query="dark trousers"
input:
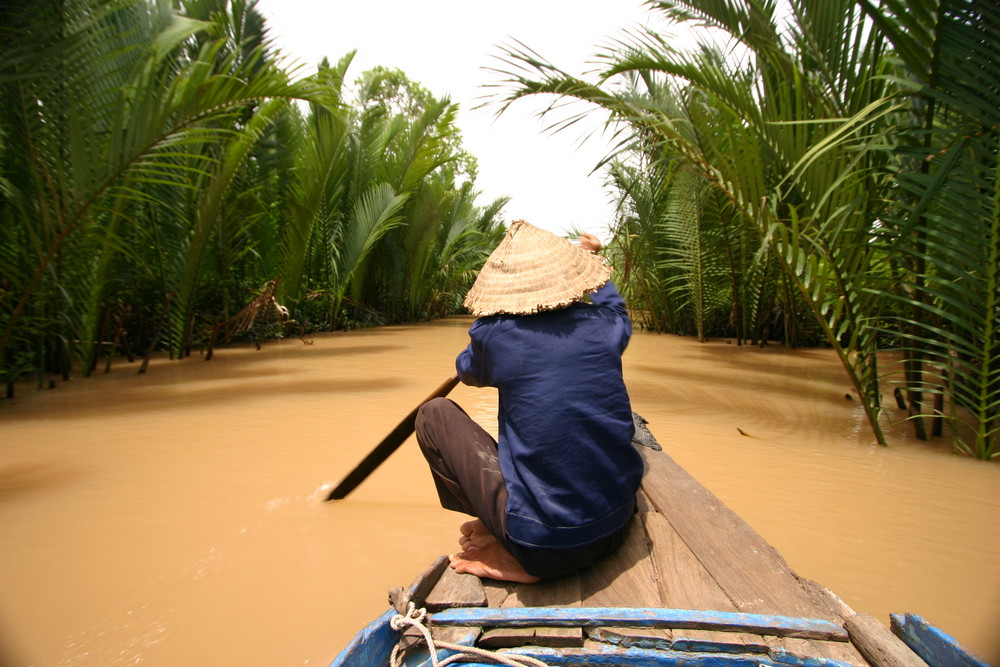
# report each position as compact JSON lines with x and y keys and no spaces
{"x":465,"y":465}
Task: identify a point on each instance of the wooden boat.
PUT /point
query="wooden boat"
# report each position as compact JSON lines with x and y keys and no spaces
{"x":693,"y":585}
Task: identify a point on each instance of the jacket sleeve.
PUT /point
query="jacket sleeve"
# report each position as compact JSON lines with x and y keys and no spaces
{"x":471,"y":363}
{"x":608,"y":297}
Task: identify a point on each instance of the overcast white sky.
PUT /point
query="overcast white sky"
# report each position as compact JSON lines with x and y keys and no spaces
{"x":445,"y":45}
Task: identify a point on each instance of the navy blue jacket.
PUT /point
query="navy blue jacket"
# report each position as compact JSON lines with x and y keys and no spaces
{"x":565,"y":422}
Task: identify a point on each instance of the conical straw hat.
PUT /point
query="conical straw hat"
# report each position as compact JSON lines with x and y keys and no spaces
{"x":534,"y":270}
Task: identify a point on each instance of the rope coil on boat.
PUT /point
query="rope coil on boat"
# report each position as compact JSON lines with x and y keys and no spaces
{"x":414,"y":618}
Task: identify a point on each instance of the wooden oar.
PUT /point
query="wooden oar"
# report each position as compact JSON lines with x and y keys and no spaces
{"x":390,"y":444}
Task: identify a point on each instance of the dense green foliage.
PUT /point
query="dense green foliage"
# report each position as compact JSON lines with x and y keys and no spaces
{"x":815,"y":171}
{"x":166,"y":182}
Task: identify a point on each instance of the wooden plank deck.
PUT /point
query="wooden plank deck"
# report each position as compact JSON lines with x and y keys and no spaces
{"x":686,"y":550}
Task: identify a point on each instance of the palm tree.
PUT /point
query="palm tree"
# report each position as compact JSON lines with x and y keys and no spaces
{"x":109,"y":116}
{"x":780,"y":102}
{"x":697,"y":258}
{"x":414,"y":270}
{"x":811,"y":146}
{"x":943,"y":229}
{"x":445,"y":255}
{"x":156,"y":176}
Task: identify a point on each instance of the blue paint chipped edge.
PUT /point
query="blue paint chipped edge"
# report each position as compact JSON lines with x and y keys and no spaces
{"x":936,"y":647}
{"x":373,"y":645}
{"x":789,"y":626}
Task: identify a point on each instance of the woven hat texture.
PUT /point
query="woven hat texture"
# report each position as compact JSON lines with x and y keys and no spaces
{"x":534,"y":270}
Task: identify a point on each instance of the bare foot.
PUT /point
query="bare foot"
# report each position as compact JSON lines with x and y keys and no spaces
{"x":492,"y":561}
{"x":475,"y":535}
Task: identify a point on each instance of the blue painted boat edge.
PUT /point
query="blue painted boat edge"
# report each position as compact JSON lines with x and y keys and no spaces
{"x":650,"y":657}
{"x":371,"y":646}
{"x":641,"y":617}
{"x":936,"y":647}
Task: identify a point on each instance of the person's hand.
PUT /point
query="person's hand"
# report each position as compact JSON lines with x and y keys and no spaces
{"x":589,"y":242}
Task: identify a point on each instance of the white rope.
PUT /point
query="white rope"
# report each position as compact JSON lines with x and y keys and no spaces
{"x":415,"y":618}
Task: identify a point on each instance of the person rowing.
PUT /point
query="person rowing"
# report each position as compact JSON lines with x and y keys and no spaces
{"x":555,"y":492}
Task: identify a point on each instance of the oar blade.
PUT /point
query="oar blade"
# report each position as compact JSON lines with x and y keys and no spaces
{"x":388,"y":445}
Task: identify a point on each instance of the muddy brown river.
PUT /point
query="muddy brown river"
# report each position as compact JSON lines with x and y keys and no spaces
{"x":177,"y":517}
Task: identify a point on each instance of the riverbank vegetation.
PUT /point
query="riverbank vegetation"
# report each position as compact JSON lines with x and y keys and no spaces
{"x":819,"y":173}
{"x":168,"y":184}
{"x":816,"y":172}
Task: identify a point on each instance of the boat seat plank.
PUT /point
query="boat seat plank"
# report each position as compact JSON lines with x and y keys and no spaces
{"x":507,"y":637}
{"x":560,"y":592}
{"x":750,"y":571}
{"x":497,"y":591}
{"x":456,"y":590}
{"x":513,"y":637}
{"x":713,"y":641}
{"x":562,"y":637}
{"x":650,"y":638}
